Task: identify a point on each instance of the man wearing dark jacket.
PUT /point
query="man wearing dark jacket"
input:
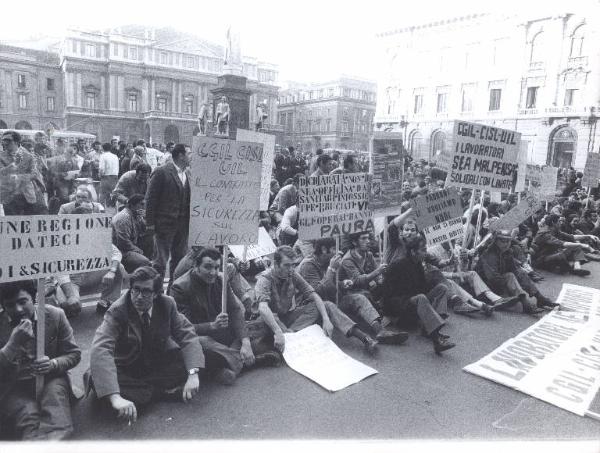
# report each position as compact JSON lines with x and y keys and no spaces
{"x":128,"y":230}
{"x":144,"y":349}
{"x":28,"y":419}
{"x":168,"y":209}
{"x":223,"y":335}
{"x":412,"y":297}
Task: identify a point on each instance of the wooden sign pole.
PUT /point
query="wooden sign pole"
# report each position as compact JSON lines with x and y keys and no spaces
{"x":40,"y":333}
{"x":224,"y":289}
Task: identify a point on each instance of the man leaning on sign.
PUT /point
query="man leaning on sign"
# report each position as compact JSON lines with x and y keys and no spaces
{"x":284,"y":296}
{"x":21,"y":416}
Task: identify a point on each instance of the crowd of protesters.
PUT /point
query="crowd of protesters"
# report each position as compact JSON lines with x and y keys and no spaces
{"x":155,"y":342}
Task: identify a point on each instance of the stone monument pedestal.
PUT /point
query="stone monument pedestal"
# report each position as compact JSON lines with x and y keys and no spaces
{"x":233,"y":87}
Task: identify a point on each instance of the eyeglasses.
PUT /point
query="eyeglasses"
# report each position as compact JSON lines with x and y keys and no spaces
{"x":144,"y":292}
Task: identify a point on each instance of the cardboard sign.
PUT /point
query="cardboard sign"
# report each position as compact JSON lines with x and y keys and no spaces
{"x":268,"y":142}
{"x":483,"y":157}
{"x":557,"y":359}
{"x":534,"y":174}
{"x":334,"y":205}
{"x":513,"y":218}
{"x":386,"y":168}
{"x":311,"y":353}
{"x":42,"y":246}
{"x":591,"y":173}
{"x":265,"y":246}
{"x":445,"y":231}
{"x":225,"y":192}
{"x":436,"y":207}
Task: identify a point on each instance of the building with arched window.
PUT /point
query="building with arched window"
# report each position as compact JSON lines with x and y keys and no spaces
{"x":129,"y":82}
{"x":539,"y":75}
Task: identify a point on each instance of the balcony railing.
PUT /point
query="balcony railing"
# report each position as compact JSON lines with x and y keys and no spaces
{"x":105,"y":112}
{"x":528,"y":111}
{"x":534,"y":65}
{"x":163,"y":114}
{"x":575,"y":62}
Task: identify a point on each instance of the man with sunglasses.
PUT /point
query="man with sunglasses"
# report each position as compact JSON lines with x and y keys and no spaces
{"x":144,"y":350}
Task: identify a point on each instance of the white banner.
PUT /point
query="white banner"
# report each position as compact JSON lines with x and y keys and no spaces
{"x":311,"y":353}
{"x":265,"y":246}
{"x":557,"y":359}
{"x":46,"y":245}
{"x":268,"y":142}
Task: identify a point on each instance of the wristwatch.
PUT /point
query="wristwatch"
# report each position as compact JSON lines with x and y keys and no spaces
{"x":193,"y":371}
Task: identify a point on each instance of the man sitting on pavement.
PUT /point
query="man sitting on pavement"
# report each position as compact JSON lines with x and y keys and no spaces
{"x":128,"y":231}
{"x":320,"y":269}
{"x":144,"y":349}
{"x":283,"y":295}
{"x":411,"y":298}
{"x":28,"y":419}
{"x":503,"y":273}
{"x":555,"y":250}
{"x":223,"y":335}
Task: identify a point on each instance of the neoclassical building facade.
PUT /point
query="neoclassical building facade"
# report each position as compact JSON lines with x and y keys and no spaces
{"x":538,"y":75}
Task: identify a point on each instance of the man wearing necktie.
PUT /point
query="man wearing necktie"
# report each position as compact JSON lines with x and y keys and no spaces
{"x":26,"y":418}
{"x":144,"y":349}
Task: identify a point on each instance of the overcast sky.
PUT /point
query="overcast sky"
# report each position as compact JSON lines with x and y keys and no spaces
{"x":310,"y":40}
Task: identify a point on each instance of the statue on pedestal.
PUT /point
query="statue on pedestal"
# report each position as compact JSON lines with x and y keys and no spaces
{"x":222,"y":117}
{"x":203,"y":118}
{"x":233,"y":53}
{"x":261,"y":115}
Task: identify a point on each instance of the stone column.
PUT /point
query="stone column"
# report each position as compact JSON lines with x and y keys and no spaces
{"x":145,"y":95}
{"x":152,"y":95}
{"x":78,"y":93}
{"x":121,"y":92}
{"x":174,"y":97}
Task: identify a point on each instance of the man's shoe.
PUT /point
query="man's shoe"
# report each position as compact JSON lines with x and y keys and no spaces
{"x":270,"y":359}
{"x":543,"y":301}
{"x":579,"y":272}
{"x":389,"y":337}
{"x":370,"y":345}
{"x":225,"y":376}
{"x":442,"y":344}
{"x":464,"y":309}
{"x":532,"y":310}
{"x":102,"y":306}
{"x":487,"y":310}
{"x":505,"y":302}
{"x":440,"y":334}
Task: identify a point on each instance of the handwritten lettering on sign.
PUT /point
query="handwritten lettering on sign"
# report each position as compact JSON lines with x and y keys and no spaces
{"x":436,"y":207}
{"x":591,"y":173}
{"x":333,"y":205}
{"x":226,"y":181}
{"x":483,"y":157}
{"x":46,"y":245}
{"x":268,"y":142}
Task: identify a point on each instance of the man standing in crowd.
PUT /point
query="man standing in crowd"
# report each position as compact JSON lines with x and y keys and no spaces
{"x":63,"y":170}
{"x":320,"y":271}
{"x":284,"y":296}
{"x":223,"y":335}
{"x":323,"y":165}
{"x":108,"y":169}
{"x":131,"y":183}
{"x":28,"y":419}
{"x":128,"y":233}
{"x":144,"y":350}
{"x":168,"y":209}
{"x":140,"y":157}
{"x":502,"y":272}
{"x":93,"y":158}
{"x":21,"y":185}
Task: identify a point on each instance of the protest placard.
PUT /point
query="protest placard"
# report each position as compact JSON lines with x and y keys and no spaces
{"x":445,"y":231}
{"x":557,"y":359}
{"x":34,"y":247}
{"x":268,"y":142}
{"x":436,"y":207}
{"x":312,"y":354}
{"x":265,"y":246}
{"x":591,"y":173}
{"x":225,"y":190}
{"x":513,"y":218}
{"x":386,"y":168}
{"x":334,"y":205}
{"x":483,"y":157}
{"x":533,"y":174}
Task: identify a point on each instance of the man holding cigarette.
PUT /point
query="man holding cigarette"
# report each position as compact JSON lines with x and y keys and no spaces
{"x":28,"y":419}
{"x":144,"y":350}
